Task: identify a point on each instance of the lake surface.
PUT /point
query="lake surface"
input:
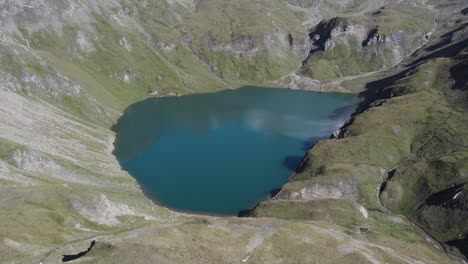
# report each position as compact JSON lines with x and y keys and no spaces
{"x":220,"y":153}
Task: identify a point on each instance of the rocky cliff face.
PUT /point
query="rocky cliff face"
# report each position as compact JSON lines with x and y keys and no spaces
{"x":69,"y":68}
{"x":348,"y":46}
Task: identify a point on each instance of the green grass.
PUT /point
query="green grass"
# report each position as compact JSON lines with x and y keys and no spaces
{"x":383,"y":228}
{"x":339,"y":211}
{"x":7,"y":147}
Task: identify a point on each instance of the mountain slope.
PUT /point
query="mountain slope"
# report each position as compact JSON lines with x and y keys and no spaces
{"x":404,"y":150}
{"x":69,"y":68}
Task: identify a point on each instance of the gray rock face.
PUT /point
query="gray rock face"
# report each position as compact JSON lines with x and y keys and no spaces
{"x":321,"y":35}
{"x":317,"y":190}
{"x":374,"y":38}
{"x":244,"y":46}
{"x":31,"y":161}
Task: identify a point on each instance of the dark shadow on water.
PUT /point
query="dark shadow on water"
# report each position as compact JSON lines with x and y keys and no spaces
{"x":292,"y":162}
{"x":274,"y":192}
{"x":248,"y":212}
{"x":245,"y":213}
{"x":308,"y":144}
{"x":67,"y":258}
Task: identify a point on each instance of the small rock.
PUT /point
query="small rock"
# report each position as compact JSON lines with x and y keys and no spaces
{"x":364,"y":229}
{"x":153,"y":92}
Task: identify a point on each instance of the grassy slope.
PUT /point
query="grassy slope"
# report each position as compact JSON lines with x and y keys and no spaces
{"x":413,"y":121}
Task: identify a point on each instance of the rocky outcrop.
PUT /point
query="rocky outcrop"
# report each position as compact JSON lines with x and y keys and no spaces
{"x":343,"y":47}
{"x":103,"y":211}
{"x":31,"y":161}
{"x":374,"y":38}
{"x":321,"y":35}
{"x":245,"y":46}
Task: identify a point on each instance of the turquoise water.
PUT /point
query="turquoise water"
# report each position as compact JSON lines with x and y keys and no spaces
{"x":220,"y":153}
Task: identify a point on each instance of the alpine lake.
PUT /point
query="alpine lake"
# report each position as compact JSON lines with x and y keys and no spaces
{"x":221,"y":153}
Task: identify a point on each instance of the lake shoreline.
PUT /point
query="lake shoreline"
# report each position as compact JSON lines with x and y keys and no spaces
{"x":336,"y":116}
